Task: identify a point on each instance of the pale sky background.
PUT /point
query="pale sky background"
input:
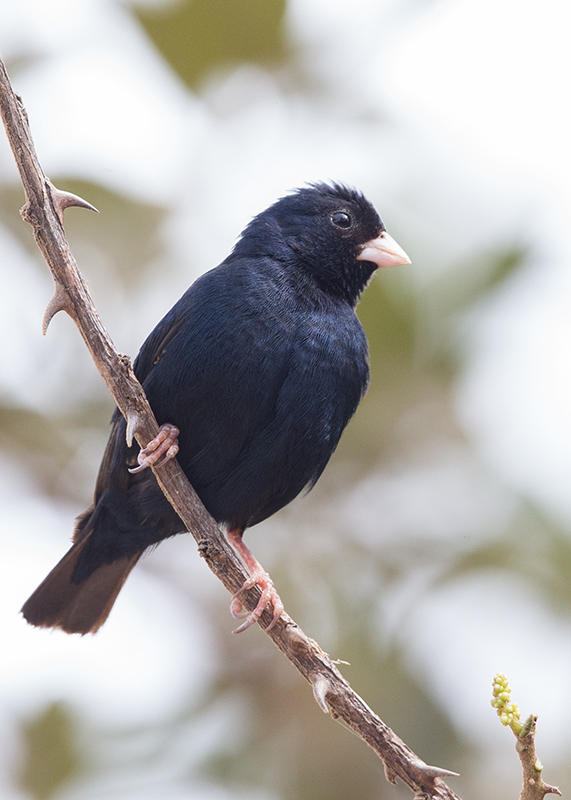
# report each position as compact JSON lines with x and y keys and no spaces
{"x":476,"y":152}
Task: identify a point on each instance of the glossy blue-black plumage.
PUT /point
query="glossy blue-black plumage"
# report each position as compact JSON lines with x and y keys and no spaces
{"x":260,"y":364}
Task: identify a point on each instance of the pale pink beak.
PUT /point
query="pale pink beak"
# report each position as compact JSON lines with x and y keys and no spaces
{"x":383,"y":251}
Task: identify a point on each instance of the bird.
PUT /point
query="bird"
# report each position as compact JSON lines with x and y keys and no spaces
{"x":252,"y":375}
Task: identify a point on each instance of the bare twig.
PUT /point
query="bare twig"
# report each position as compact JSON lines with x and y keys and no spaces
{"x":44,"y":211}
{"x":534,"y":787}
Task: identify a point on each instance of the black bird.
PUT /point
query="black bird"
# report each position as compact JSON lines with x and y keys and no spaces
{"x":253,"y":375}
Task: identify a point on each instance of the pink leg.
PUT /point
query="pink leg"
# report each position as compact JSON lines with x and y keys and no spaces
{"x":160,"y":449}
{"x":258,"y":577}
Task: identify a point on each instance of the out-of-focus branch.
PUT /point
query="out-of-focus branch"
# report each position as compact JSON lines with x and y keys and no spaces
{"x":534,"y":787}
{"x":44,"y":211}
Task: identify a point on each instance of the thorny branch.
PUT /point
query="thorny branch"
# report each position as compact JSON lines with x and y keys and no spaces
{"x":44,"y":211}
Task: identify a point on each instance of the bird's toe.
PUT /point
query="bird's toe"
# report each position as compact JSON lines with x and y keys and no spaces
{"x":159,"y":450}
{"x":269,"y":595}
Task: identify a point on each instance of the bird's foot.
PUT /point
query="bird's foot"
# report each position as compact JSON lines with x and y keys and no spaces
{"x":269,"y":595}
{"x":258,"y":577}
{"x":159,"y":450}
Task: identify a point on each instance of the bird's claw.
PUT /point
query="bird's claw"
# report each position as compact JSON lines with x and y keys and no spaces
{"x":269,"y":595}
{"x":159,"y":450}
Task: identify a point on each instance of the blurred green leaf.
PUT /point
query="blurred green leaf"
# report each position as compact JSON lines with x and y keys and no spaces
{"x":505,"y":263}
{"x":127,"y":235}
{"x":409,"y":376}
{"x":51,"y":754}
{"x":471,"y":281}
{"x":198,"y":36}
{"x":387,"y":312}
{"x":534,"y":548}
{"x":47,"y":445}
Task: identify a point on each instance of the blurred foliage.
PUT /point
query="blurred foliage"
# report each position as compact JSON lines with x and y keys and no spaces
{"x":534,"y":548}
{"x":278,"y":740}
{"x":474,"y":279}
{"x":127,"y":237}
{"x":413,"y":349}
{"x":197,"y":37}
{"x":47,"y":445}
{"x":52,"y":754}
{"x":38,"y":441}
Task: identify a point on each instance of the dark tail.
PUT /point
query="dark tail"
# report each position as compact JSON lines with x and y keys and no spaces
{"x":78,"y":607}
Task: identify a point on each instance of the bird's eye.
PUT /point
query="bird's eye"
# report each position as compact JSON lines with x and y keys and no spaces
{"x":341,"y":219}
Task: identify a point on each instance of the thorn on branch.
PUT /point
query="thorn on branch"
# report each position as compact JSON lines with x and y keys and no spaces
{"x":25,"y":213}
{"x":426,"y":774}
{"x":62,"y":200}
{"x":133,"y":423}
{"x":390,"y":774}
{"x":59,"y":302}
{"x":23,"y":111}
{"x":551,"y":789}
{"x":321,"y":687}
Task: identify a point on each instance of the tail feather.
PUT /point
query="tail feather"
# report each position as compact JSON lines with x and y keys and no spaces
{"x":82,"y":607}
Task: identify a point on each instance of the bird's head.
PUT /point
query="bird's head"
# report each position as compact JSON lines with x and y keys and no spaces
{"x":331,"y":232}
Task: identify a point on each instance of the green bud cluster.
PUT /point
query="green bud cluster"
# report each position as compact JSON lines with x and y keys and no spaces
{"x":507,"y":711}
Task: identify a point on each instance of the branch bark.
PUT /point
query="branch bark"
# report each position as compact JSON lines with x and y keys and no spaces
{"x":43,"y":210}
{"x":534,"y":787}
